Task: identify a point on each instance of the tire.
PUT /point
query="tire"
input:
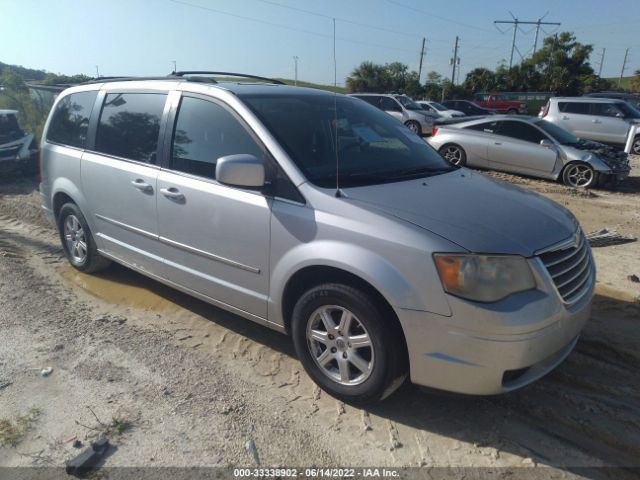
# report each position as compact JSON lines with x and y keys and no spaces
{"x":579,"y":175}
{"x":454,"y":154}
{"x":413,"y":126}
{"x":635,"y":146}
{"x":358,"y":375}
{"x":77,"y":241}
{"x":512,"y":111}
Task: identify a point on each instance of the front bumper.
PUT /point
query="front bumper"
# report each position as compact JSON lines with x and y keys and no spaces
{"x":486,"y":349}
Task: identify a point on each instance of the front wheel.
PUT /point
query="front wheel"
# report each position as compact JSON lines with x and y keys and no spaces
{"x":347,"y":345}
{"x":579,"y":175}
{"x":413,"y":126}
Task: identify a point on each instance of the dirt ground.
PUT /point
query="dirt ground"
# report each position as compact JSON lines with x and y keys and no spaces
{"x":189,"y":384}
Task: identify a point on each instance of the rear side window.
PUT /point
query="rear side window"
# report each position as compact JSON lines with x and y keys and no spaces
{"x":574,"y":107}
{"x":130,"y":124}
{"x":70,"y":121}
{"x":389,"y":105}
{"x":489,"y":127}
{"x":204,"y":132}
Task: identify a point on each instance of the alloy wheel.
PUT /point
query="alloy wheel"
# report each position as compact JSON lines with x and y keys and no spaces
{"x":579,"y":175}
{"x":340,"y":345}
{"x":75,"y":239}
{"x":452,"y":154}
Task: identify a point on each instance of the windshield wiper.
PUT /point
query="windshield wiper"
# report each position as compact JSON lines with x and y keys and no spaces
{"x":422,"y":171}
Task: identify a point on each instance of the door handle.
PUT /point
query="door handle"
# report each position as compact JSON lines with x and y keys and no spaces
{"x":173,"y":194}
{"x":565,"y":118}
{"x":497,"y":143}
{"x":142,"y":185}
{"x":596,"y":121}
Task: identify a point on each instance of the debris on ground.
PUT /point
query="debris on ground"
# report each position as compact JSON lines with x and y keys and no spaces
{"x":88,"y":458}
{"x":45,"y":372}
{"x":69,"y":438}
{"x":607,"y":238}
{"x":633,"y":278}
{"x":250,"y":447}
{"x":4,"y":384}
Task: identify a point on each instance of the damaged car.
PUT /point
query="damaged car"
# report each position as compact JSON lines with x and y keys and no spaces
{"x":18,"y":150}
{"x":530,"y":146}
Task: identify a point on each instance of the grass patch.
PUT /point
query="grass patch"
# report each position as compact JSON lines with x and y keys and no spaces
{"x":12,"y":431}
{"x":117,"y":426}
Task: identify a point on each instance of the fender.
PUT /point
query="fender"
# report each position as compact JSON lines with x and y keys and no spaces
{"x":365,"y":264}
{"x":68,"y":187}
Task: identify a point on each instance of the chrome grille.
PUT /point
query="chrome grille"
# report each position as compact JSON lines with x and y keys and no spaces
{"x":571,"y":268}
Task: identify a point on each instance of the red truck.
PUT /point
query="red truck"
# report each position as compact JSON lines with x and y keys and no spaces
{"x":500,"y":102}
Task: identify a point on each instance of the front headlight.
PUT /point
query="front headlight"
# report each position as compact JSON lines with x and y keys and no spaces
{"x":483,"y":278}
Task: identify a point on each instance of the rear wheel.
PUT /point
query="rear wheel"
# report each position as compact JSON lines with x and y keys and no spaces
{"x":346,"y":344}
{"x":413,"y":126}
{"x":512,"y":111}
{"x":77,"y":241}
{"x":454,"y":154}
{"x":579,"y":175}
{"x":635,"y":146}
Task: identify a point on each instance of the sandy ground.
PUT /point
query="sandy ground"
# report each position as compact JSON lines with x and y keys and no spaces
{"x":196,"y":383}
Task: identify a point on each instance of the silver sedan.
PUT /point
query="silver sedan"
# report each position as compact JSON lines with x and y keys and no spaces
{"x":529,"y":146}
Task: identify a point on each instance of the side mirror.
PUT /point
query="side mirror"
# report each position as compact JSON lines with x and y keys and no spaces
{"x":620,"y":115}
{"x":242,"y":170}
{"x":546,"y":143}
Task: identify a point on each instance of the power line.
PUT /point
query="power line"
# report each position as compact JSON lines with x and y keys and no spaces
{"x":431,"y":14}
{"x":287,"y":27}
{"x":515,"y":22}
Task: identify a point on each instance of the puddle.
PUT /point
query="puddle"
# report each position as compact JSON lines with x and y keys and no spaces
{"x":124,"y":287}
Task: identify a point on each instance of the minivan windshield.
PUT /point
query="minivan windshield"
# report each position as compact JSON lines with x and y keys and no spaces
{"x":371,"y":147}
{"x":559,"y":134}
{"x":408,"y":103}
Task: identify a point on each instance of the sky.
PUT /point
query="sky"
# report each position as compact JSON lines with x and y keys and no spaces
{"x":262,"y":37}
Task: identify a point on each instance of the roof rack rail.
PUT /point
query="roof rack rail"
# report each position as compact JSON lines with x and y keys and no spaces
{"x":134,"y":79}
{"x":228,"y":74}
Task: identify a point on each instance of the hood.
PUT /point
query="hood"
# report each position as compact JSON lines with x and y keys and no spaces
{"x":478,"y":213}
{"x":613,"y":157}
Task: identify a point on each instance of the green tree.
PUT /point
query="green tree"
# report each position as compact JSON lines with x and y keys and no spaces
{"x":369,"y":77}
{"x":433,"y":86}
{"x":480,"y":80}
{"x":11,"y":79}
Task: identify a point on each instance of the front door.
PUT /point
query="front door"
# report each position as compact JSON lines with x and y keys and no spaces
{"x":215,"y":238}
{"x":517,"y":148}
{"x":608,"y":123}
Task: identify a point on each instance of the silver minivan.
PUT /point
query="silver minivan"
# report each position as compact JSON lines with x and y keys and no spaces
{"x":319,"y":216}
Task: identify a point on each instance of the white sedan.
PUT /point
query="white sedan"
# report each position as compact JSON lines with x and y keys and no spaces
{"x":439,"y":109}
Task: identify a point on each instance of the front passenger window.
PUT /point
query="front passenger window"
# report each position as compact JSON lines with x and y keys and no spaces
{"x":204,"y":132}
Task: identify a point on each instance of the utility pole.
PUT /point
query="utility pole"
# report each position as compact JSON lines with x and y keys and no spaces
{"x":295,"y":60}
{"x":97,"y":72}
{"x":454,"y":61}
{"x":175,"y":68}
{"x":421,"y":57}
{"x":515,"y":22}
{"x":601,"y":62}
{"x":624,"y":64}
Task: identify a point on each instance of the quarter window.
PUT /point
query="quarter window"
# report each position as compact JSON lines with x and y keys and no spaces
{"x":130,"y":124}
{"x":70,"y":121}
{"x":204,"y":132}
{"x":489,"y":127}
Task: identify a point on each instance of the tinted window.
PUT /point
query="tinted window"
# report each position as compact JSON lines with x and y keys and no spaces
{"x":520,"y":131}
{"x":574,"y":107}
{"x":130,"y":124}
{"x":561,"y":135}
{"x":370,"y":147}
{"x":70,"y":120}
{"x":389,"y":105}
{"x":204,"y":132}
{"x":371,"y":99}
{"x":9,"y":129}
{"x":605,"y":109}
{"x":489,"y":127}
